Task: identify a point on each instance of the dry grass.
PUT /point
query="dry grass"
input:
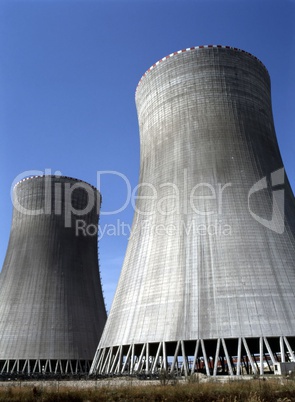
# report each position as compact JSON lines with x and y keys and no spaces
{"x":235,"y":391}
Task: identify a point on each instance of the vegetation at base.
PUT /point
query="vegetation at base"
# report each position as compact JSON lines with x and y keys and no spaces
{"x":232,"y":391}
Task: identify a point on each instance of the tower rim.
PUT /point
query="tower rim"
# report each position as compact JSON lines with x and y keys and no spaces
{"x":52,"y":176}
{"x":188,"y":49}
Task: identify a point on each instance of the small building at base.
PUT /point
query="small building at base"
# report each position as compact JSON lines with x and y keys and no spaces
{"x":284,"y":368}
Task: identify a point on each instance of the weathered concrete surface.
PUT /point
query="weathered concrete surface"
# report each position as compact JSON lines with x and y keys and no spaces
{"x":212,"y":253}
{"x":51,"y":303}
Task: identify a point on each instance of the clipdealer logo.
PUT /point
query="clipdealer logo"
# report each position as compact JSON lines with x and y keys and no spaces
{"x":203,"y":200}
{"x":277,"y":221}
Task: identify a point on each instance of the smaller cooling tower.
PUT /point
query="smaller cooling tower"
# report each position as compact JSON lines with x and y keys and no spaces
{"x":52,"y":310}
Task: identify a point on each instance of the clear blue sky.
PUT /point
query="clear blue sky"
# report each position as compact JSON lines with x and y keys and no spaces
{"x":68,"y":74}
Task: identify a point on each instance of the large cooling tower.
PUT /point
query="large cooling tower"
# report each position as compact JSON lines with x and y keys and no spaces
{"x":208,"y":281}
{"x":52,"y":311}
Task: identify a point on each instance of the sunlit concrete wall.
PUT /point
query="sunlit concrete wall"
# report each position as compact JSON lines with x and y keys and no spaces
{"x":212,"y":254}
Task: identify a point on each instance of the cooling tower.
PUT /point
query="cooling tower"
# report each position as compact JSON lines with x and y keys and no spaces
{"x":52,"y":310}
{"x":208,"y":280}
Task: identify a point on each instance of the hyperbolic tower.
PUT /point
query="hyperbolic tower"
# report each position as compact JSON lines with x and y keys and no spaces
{"x":208,"y":281}
{"x":52,"y":310}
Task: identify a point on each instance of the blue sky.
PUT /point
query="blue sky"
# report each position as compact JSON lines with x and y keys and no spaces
{"x":68,"y":74}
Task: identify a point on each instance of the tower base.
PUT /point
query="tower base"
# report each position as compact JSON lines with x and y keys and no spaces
{"x":232,"y":356}
{"x":44,"y":367}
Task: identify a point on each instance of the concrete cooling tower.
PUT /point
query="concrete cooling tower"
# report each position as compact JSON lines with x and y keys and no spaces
{"x":52,"y":311}
{"x":208,"y":281}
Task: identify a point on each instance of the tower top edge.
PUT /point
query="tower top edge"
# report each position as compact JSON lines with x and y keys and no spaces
{"x":52,"y":177}
{"x":196,"y":48}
